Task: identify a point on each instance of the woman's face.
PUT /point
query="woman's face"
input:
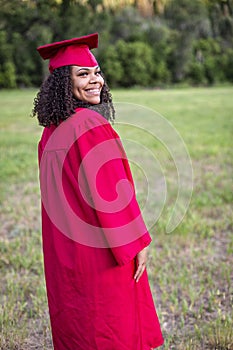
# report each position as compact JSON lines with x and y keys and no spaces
{"x":87,"y":83}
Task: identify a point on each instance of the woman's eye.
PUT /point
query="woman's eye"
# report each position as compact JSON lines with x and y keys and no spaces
{"x":82,"y":74}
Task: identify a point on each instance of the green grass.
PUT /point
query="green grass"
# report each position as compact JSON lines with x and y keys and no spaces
{"x":190,"y":269}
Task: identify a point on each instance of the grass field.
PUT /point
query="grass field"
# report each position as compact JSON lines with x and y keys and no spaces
{"x":190,"y":269}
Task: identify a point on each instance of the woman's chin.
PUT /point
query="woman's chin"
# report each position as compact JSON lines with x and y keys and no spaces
{"x":94,"y":101}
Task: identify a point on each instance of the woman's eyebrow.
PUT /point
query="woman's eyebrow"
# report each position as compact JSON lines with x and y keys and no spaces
{"x":82,"y":69}
{"x":88,"y":69}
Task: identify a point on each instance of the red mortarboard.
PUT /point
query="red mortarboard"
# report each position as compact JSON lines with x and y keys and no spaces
{"x":75,"y":51}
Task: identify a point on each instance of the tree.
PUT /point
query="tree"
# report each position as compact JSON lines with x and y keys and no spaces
{"x":227,"y":63}
{"x":186,"y":19}
{"x":137,"y":63}
{"x":163,"y":33}
{"x":149,"y":8}
{"x":221,"y":17}
{"x":7,"y":67}
{"x":128,"y":25}
{"x":111,"y":65}
{"x":157,"y":36}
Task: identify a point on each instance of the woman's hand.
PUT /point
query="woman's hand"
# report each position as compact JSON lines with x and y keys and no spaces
{"x":141,"y":259}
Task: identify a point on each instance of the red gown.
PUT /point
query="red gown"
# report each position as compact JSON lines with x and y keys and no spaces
{"x":94,"y":302}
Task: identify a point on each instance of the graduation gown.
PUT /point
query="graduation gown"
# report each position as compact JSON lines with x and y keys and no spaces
{"x":94,"y":302}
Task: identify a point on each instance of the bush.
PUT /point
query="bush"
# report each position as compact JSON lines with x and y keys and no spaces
{"x":111,"y":65}
{"x":7,"y":76}
{"x":206,"y":65}
{"x":7,"y":67}
{"x":196,"y":73}
{"x":227,"y":63}
{"x":157,"y":36}
{"x":161,"y":73}
{"x":136,"y":59}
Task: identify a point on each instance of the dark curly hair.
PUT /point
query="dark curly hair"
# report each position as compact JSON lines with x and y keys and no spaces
{"x":55,"y":101}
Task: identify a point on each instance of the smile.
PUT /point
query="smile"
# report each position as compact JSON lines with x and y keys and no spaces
{"x":93,"y":91}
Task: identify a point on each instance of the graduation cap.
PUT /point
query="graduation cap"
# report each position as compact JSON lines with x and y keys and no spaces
{"x":74,"y":51}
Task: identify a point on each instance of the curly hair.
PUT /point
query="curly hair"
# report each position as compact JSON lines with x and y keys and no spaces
{"x":55,"y":101}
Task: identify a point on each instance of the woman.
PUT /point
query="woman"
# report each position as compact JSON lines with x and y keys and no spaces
{"x":94,"y":238}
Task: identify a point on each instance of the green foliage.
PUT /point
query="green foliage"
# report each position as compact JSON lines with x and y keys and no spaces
{"x":206,"y":66}
{"x":171,"y":31}
{"x":7,"y":75}
{"x":7,"y":67}
{"x":196,"y":73}
{"x":112,"y":66}
{"x":137,"y":62}
{"x":157,"y":36}
{"x":128,"y":25}
{"x":128,"y":64}
{"x":227,"y":62}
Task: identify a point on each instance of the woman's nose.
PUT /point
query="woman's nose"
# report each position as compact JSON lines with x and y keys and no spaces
{"x":93,"y":78}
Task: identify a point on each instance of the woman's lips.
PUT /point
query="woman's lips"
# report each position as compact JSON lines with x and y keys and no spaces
{"x":94,"y":92}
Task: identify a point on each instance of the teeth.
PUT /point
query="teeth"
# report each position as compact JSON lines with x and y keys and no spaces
{"x":93,"y":90}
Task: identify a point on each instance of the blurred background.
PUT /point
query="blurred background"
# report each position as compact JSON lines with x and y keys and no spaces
{"x":170,"y":56}
{"x":157,"y":42}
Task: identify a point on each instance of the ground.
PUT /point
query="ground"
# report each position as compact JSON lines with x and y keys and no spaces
{"x":190,"y":268}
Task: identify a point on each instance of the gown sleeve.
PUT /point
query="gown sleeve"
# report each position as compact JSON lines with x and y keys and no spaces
{"x":106,"y":185}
